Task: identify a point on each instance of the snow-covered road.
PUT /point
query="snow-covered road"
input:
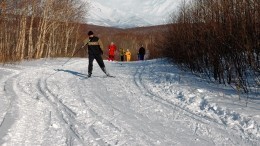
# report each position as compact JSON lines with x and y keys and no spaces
{"x":147,"y":103}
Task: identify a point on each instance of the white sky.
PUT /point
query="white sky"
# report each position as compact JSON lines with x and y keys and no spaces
{"x":152,"y":11}
{"x":134,"y":5}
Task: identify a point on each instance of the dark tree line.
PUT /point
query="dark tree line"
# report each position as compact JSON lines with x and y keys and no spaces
{"x":218,"y":38}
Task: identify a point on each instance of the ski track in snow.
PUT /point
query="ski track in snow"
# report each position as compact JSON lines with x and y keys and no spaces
{"x":147,"y":103}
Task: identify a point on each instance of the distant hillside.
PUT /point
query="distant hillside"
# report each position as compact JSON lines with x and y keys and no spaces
{"x":131,"y":38}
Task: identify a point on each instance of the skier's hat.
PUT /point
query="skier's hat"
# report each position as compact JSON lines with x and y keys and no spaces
{"x":90,"y":33}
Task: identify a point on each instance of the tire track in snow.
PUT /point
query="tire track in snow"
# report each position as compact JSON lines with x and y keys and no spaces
{"x":132,"y":117}
{"x":96,"y":99}
{"x":68,"y":116}
{"x":23,"y":121}
{"x":115,"y":116}
{"x":204,"y":120}
{"x":150,"y":128}
{"x":158,"y":99}
{"x":63,"y":112}
{"x":37,"y":88}
{"x":101,"y":119}
{"x":130,"y":120}
{"x":9,"y":115}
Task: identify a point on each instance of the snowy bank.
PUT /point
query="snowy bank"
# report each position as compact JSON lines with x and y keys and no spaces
{"x":147,"y":103}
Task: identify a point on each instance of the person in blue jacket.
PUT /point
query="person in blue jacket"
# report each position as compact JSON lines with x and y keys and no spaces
{"x":141,"y":53}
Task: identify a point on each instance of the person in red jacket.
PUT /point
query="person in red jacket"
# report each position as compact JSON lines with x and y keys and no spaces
{"x":111,"y":53}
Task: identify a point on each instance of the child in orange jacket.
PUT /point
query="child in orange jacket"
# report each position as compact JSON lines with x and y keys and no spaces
{"x":128,"y":55}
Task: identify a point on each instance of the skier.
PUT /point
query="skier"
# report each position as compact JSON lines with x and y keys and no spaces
{"x":112,"y":49}
{"x":95,"y":51}
{"x":122,"y":53}
{"x":141,"y":53}
{"x":128,"y":55}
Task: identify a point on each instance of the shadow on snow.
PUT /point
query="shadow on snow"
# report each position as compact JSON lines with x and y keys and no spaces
{"x":72,"y":72}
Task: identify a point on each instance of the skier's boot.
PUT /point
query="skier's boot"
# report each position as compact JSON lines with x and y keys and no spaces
{"x":89,"y":75}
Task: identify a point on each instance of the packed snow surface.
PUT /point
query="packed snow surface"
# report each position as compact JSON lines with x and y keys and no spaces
{"x":45,"y":102}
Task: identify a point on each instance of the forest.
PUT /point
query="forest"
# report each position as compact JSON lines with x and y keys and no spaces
{"x":32,"y":29}
{"x":215,"y":39}
{"x":218,"y":39}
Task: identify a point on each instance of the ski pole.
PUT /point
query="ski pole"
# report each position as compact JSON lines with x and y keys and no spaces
{"x":72,"y":55}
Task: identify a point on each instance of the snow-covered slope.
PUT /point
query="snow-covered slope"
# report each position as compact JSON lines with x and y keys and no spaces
{"x":44,"y":102}
{"x":131,"y":13}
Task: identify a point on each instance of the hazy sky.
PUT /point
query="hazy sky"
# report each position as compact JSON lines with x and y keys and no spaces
{"x":151,"y":11}
{"x":132,"y":4}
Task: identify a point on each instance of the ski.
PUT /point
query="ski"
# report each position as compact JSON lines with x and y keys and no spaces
{"x":110,"y":76}
{"x":83,"y":78}
{"x":107,"y":76}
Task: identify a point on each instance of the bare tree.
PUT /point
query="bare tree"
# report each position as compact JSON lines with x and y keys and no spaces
{"x":39,"y":28}
{"x":218,"y":38}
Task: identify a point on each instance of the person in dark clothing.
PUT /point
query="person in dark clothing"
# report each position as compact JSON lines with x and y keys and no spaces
{"x":95,"y":51}
{"x":122,"y":54}
{"x":141,"y":53}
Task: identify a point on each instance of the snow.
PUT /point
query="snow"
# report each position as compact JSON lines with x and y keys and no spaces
{"x":131,"y":13}
{"x":44,"y":102}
